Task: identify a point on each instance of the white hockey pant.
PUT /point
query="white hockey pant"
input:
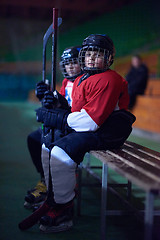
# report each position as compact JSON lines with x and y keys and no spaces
{"x":62,"y":173}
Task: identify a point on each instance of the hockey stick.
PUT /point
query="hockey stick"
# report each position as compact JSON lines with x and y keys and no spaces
{"x":34,"y":217}
{"x":48,"y":33}
{"x":54,"y":49}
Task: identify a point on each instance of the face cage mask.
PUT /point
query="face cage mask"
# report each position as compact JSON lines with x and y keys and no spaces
{"x":65,"y":62}
{"x":93,"y":70}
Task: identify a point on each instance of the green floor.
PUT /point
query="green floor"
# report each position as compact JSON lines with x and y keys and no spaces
{"x":17,"y":174}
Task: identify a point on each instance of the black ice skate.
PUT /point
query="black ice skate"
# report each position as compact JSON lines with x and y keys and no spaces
{"x":59,"y":218}
{"x":36,"y":196}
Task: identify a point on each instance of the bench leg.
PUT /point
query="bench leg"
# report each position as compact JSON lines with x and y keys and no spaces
{"x":149,"y":216}
{"x":88,"y":162}
{"x":79,"y":189}
{"x":129,"y":190}
{"x":104,"y":201}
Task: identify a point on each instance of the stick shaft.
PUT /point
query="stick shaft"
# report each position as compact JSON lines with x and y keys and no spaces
{"x":54,"y":48}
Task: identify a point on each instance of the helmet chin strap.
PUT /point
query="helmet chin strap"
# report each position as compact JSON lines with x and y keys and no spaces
{"x":93,"y":71}
{"x":72,"y":78}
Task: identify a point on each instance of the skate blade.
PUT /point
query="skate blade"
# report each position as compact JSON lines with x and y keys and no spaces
{"x":31,"y":206}
{"x":54,"y":229}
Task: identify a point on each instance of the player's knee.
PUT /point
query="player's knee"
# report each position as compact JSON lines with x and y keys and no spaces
{"x":45,"y":153}
{"x":61,"y":160}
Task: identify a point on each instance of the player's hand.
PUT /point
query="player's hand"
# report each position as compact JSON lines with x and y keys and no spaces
{"x":41,"y":88}
{"x":49,"y":100}
{"x":61,"y":101}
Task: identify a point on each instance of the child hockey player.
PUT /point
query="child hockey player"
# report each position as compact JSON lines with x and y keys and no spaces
{"x":98,"y":120}
{"x":70,"y":69}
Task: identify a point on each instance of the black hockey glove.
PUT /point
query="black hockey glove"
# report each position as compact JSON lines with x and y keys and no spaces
{"x":57,"y":118}
{"x":54,"y":100}
{"x":40,"y":114}
{"x":41,"y":88}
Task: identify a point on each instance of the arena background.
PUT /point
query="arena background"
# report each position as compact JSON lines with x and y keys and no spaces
{"x":134,"y":27}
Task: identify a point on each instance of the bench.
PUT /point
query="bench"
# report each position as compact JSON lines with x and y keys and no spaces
{"x":147,"y":113}
{"x":140,"y":166}
{"x":146,"y":108}
{"x":153,"y":87}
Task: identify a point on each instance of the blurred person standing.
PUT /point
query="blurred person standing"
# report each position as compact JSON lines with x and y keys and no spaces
{"x":137,"y":78}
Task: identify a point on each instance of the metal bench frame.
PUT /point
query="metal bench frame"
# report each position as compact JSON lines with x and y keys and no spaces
{"x":122,"y":158}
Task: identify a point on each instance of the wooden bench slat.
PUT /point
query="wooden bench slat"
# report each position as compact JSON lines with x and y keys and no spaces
{"x":142,"y":156}
{"x":137,"y":163}
{"x":132,"y":174}
{"x":148,"y":151}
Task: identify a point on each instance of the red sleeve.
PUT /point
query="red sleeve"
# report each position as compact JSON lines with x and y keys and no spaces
{"x":62,"y":90}
{"x":124,"y":98}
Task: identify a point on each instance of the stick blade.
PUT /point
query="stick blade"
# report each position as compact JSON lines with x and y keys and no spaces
{"x":34,"y":217}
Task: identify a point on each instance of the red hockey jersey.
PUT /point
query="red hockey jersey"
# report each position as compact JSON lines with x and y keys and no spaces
{"x":100,"y":94}
{"x":66,"y":90}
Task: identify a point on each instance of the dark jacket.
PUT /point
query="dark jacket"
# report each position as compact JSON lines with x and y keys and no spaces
{"x":137,"y":80}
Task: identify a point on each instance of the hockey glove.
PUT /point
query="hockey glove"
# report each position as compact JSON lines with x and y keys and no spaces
{"x":41,"y":88}
{"x":54,"y":100}
{"x":57,"y":118}
{"x":40,"y":114}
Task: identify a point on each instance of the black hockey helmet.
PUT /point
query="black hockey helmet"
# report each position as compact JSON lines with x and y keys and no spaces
{"x":69,"y":55}
{"x":100,"y":43}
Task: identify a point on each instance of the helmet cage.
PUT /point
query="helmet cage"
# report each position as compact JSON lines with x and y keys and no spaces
{"x":107,"y":58}
{"x":68,"y":61}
